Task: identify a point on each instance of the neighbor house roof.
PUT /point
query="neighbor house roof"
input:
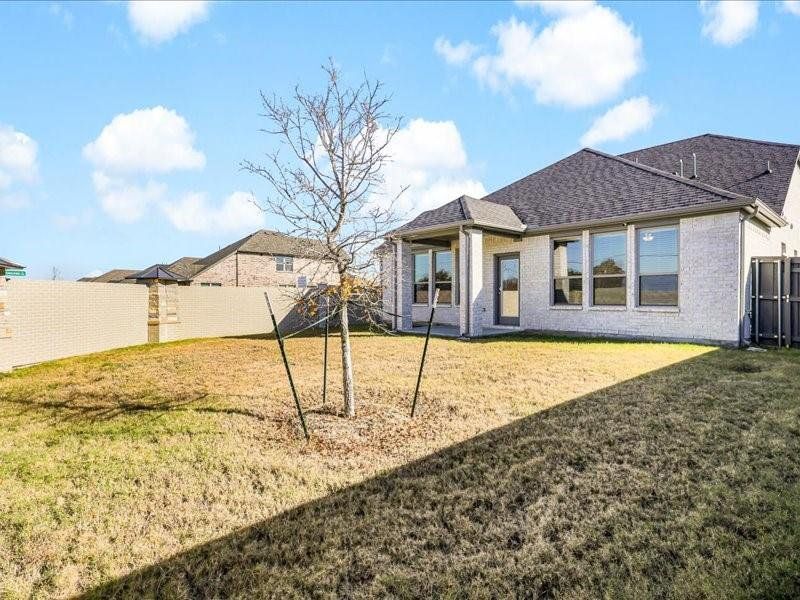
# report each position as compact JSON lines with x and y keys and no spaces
{"x":112,"y":276}
{"x":265,"y":241}
{"x":157,"y":272}
{"x":186,"y":266}
{"x":731,"y":163}
{"x":7,"y":264}
{"x":591,"y":186}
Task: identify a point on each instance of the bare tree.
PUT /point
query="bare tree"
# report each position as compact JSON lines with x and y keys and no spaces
{"x":329,"y":189}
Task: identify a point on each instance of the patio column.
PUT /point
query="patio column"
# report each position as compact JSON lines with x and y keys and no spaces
{"x":403,"y":285}
{"x":470,"y":271}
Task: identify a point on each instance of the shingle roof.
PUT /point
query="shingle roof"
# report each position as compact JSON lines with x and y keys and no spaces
{"x":465,"y":208}
{"x":114,"y":276}
{"x":186,"y":266}
{"x":265,"y":241}
{"x":157,"y":272}
{"x":735,"y":164}
{"x":591,"y":185}
{"x":5,"y":263}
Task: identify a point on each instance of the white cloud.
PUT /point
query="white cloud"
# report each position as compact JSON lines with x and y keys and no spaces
{"x":792,"y":6}
{"x":458,"y":54}
{"x":557,"y":7}
{"x":727,"y":23}
{"x":622,"y":121}
{"x":238,"y":212}
{"x":17,"y":157}
{"x":584,"y":56}
{"x":428,"y":157}
{"x":63,"y":14}
{"x":18,"y":167}
{"x":124,"y":201}
{"x":153,"y":140}
{"x":157,"y":22}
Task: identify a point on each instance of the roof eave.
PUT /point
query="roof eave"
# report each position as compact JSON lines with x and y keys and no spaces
{"x":449,"y":227}
{"x":764,"y":213}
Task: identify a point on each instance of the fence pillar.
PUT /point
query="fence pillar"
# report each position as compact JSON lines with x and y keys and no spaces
{"x":5,"y":325}
{"x":162,"y":317}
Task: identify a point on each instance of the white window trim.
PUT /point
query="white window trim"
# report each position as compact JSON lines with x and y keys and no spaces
{"x":414,"y":277}
{"x":280,"y":261}
{"x":627,"y":275}
{"x":666,"y":308}
{"x":577,"y":237}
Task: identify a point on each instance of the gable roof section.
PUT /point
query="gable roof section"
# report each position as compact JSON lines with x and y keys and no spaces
{"x":186,"y":266}
{"x":114,"y":276}
{"x":467,"y":210}
{"x":735,"y":164}
{"x":591,"y":185}
{"x":157,"y":272}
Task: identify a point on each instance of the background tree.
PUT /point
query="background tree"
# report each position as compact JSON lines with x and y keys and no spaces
{"x":327,"y":184}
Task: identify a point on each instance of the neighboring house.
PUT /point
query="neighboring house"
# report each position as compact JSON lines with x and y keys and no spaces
{"x":655,"y":243}
{"x":7,"y":264}
{"x":260,"y":259}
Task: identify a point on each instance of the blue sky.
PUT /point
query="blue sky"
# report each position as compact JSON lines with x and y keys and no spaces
{"x":122,"y":128}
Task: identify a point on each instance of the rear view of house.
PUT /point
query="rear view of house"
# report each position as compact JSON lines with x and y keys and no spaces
{"x":656,"y":243}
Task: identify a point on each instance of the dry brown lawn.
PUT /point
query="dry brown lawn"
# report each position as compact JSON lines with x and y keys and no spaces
{"x":609,"y":468}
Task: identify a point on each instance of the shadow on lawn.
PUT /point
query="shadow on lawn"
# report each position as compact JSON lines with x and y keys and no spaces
{"x":98,"y":406}
{"x":682,"y":482}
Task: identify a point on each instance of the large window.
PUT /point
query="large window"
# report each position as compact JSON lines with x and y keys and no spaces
{"x":443,"y":275}
{"x":284,"y":264}
{"x":609,"y":264}
{"x":658,"y":266}
{"x":568,"y":272}
{"x":422,"y":268}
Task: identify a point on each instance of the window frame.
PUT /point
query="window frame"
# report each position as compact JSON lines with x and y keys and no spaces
{"x":435,"y":281}
{"x":414,"y":284}
{"x":578,"y":237}
{"x":281,"y":261}
{"x":625,"y":276}
{"x":677,"y":273}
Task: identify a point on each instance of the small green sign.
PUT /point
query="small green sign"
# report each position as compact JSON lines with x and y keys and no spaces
{"x":15,"y":273}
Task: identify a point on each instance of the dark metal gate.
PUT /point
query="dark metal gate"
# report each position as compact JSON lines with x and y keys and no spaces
{"x":775,"y":301}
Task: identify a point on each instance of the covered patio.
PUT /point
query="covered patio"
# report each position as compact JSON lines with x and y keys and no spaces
{"x":443,"y":252}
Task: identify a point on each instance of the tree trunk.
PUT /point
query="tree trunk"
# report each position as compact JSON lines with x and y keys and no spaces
{"x":347,"y":366}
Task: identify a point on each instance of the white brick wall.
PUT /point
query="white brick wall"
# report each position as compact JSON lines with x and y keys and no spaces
{"x":709,"y":306}
{"x":55,"y":319}
{"x":46,"y":320}
{"x":708,"y":287}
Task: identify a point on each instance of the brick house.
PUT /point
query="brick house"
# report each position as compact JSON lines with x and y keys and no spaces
{"x":263,"y":258}
{"x":7,"y":264}
{"x":655,"y":243}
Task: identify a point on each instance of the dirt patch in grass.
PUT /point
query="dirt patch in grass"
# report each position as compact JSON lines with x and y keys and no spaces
{"x":179,"y":471}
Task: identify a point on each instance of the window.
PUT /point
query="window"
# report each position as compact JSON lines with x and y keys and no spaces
{"x":422,"y":269}
{"x":568,"y":272}
{"x":457,"y":282}
{"x":284,"y":264}
{"x":658,"y":266}
{"x":210,"y":285}
{"x":443,"y":275}
{"x":609,"y":264}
